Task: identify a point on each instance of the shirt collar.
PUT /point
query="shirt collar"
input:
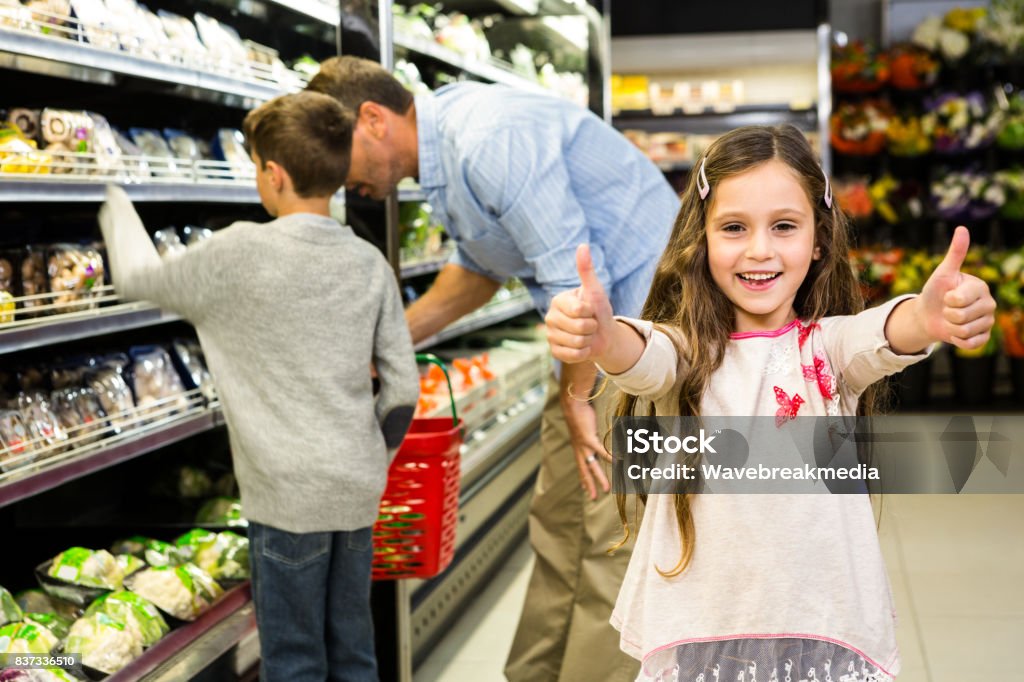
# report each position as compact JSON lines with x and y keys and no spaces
{"x":431,"y":170}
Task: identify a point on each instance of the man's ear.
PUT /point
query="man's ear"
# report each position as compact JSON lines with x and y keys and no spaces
{"x":372,"y":119}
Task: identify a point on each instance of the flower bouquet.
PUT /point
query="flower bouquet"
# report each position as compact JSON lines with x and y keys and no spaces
{"x":853,"y":197}
{"x":967,"y":197}
{"x":858,"y":68}
{"x":960,"y":123}
{"x":1003,"y":30}
{"x":909,"y":136}
{"x":877,"y":272}
{"x":859,"y":129}
{"x":912,"y":67}
{"x":899,"y":203}
{"x":1012,"y":182}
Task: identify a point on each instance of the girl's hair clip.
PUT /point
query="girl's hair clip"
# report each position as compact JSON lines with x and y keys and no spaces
{"x":828,"y":189}
{"x":703,"y":186}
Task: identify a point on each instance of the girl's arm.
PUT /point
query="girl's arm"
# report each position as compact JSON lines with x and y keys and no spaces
{"x":953,"y":307}
{"x":581,"y":327}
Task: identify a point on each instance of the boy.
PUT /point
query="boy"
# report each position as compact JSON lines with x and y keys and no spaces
{"x":290,"y":315}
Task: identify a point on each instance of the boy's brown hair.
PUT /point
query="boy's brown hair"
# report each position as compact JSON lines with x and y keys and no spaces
{"x":306,"y":133}
{"x":353,"y":80}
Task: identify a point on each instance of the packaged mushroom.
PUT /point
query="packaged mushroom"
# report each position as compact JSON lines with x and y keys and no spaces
{"x":154,"y":146}
{"x":74,"y":272}
{"x":168,"y":243}
{"x":114,"y":396}
{"x":159,"y":392}
{"x":229,"y":146}
{"x":62,"y":402}
{"x":188,"y":356}
{"x":7,"y":303}
{"x":34,"y":285}
{"x":135,"y":167}
{"x":43,"y":424}
{"x":68,"y":134}
{"x":15,"y":449}
{"x":193,"y":235}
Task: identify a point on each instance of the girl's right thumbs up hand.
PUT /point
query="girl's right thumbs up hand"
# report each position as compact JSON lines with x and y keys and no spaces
{"x":580,"y":322}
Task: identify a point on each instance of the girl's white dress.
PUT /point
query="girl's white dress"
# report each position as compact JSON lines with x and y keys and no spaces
{"x":785,"y":587}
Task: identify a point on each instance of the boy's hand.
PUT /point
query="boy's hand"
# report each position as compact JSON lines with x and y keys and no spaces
{"x":957,"y":308}
{"x":580,"y":321}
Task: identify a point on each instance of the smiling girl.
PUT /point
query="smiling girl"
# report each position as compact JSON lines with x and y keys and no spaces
{"x":755,"y":310}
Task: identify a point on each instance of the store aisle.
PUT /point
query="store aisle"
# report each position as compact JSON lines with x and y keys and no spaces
{"x":956,"y":563}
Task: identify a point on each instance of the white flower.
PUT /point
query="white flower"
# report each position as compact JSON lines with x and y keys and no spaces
{"x":927,"y":33}
{"x":953,"y":44}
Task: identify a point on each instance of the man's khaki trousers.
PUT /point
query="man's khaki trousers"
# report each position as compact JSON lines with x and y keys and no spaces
{"x":564,"y":633}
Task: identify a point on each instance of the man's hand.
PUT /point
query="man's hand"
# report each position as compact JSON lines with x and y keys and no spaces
{"x":586,"y":445}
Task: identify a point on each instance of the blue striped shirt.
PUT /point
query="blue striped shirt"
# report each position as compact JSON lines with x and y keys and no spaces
{"x":520,"y":179}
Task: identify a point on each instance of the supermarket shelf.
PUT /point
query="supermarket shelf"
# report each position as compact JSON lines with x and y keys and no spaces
{"x":187,"y":651}
{"x":484,"y":446}
{"x":28,"y":43}
{"x":493,"y":71}
{"x":95,"y":191}
{"x":45,"y":331}
{"x":712,"y":122}
{"x":485,"y":317}
{"x":328,"y":13}
{"x":48,"y":474}
{"x":423,"y":267}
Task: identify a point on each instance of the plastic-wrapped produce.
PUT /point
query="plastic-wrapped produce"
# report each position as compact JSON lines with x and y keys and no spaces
{"x":184,"y":591}
{"x":66,"y":403}
{"x":6,"y":288}
{"x":183,"y":145}
{"x":74,"y":272}
{"x":35,"y":675}
{"x":114,"y":396}
{"x":26,"y":638}
{"x":43,"y":424}
{"x":229,"y":146}
{"x":33,"y":280}
{"x":137,"y":613}
{"x":193,"y":235}
{"x":54,"y":622}
{"x":154,"y":146}
{"x":10,"y":612}
{"x":159,"y":392}
{"x":104,"y":146}
{"x":188,"y":356}
{"x":222,"y":511}
{"x":87,"y":567}
{"x":130,"y":564}
{"x":168,"y":243}
{"x":183,"y":36}
{"x":105,"y":643}
{"x":89,"y":408}
{"x":222,"y":43}
{"x":136,"y":168}
{"x":38,"y":601}
{"x":155,"y":552}
{"x":15,"y":450}
{"x":100,"y":27}
{"x":225,"y":556}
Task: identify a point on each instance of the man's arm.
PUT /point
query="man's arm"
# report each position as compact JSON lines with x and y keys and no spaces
{"x":456,"y":292}
{"x":576,"y":384}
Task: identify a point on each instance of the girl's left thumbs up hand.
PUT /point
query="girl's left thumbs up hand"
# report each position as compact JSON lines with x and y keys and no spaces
{"x":957,"y":308}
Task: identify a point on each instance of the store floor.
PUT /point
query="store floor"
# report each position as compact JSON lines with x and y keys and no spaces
{"x":956,"y":563}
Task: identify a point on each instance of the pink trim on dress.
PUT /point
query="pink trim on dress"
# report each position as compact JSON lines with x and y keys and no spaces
{"x":763,"y":335}
{"x":700,"y":640}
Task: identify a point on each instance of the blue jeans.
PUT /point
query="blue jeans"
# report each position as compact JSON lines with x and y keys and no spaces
{"x":312,"y":598}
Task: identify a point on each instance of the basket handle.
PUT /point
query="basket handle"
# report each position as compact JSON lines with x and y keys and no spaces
{"x":433,"y":359}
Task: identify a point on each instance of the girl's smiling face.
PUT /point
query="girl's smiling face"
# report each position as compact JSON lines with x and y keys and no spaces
{"x":760,"y":232}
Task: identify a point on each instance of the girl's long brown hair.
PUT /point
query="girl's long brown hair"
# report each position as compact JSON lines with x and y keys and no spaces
{"x":684,"y":297}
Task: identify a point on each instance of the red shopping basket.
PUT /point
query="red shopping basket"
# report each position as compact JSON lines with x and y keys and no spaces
{"x":414,"y":536}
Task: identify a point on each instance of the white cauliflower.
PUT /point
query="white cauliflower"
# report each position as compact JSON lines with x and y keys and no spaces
{"x":182,"y":591}
{"x":27,"y":638}
{"x":87,"y":567}
{"x":105,"y":644}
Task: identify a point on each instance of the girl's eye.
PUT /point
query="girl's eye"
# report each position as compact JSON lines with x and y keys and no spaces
{"x":732,"y":227}
{"x":785,"y":227}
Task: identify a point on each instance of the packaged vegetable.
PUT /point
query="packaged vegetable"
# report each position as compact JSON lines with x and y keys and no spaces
{"x":33,"y":281}
{"x":68,"y":134}
{"x":222,"y":43}
{"x":89,"y":407}
{"x":59,"y":625}
{"x":114,"y":397}
{"x":222,"y":511}
{"x":26,"y":638}
{"x":130,"y":564}
{"x":98,"y":24}
{"x":35,"y":675}
{"x":18,"y":154}
{"x":74,"y":271}
{"x":193,"y":235}
{"x":158,"y":390}
{"x":135,"y":167}
{"x":7,"y":303}
{"x":168,"y":243}
{"x":188,"y":356}
{"x":42,"y":423}
{"x":182,"y":34}
{"x":91,"y":568}
{"x":183,"y":145}
{"x":15,"y":449}
{"x":10,"y":612}
{"x":38,"y":601}
{"x":154,"y":552}
{"x":225,"y":556}
{"x":184,"y":591}
{"x":106,"y":644}
{"x":229,"y":146}
{"x":153,"y":145}
{"x":138,"y":614}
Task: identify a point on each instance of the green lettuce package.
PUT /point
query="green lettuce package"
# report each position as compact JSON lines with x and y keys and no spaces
{"x":57,"y":624}
{"x":129,"y":564}
{"x":225,"y":556}
{"x":184,"y":591}
{"x":105,"y":643}
{"x":222,"y":511}
{"x":26,"y":638}
{"x":91,"y":568}
{"x":10,"y":612}
{"x":153,"y":552}
{"x":138,"y":614}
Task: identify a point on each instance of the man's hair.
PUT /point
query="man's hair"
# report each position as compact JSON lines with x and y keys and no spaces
{"x":353,"y":80}
{"x":306,"y":133}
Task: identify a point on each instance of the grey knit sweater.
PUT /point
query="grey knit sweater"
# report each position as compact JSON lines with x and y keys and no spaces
{"x":290,"y":315}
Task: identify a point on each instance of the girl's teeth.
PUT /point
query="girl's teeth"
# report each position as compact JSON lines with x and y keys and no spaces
{"x":759,"y":277}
